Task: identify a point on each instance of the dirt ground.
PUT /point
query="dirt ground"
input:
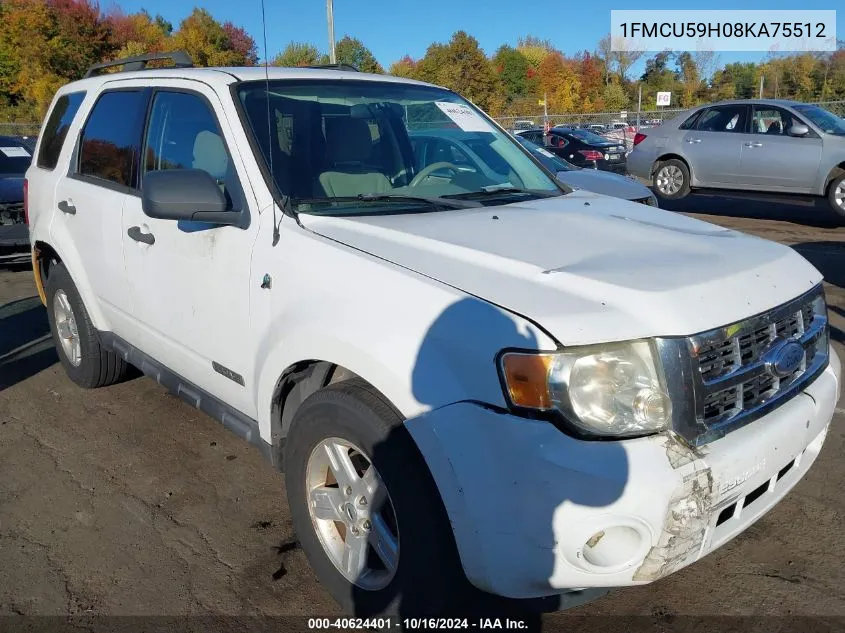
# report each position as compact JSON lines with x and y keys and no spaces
{"x":125,"y":501}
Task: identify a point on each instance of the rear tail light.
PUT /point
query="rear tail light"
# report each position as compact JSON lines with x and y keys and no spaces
{"x":591,"y":154}
{"x":639,"y":137}
{"x":26,"y":201}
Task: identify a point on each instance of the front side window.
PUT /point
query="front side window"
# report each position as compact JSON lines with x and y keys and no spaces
{"x":773,"y":121}
{"x":328,"y":144}
{"x":56,"y":129}
{"x":723,"y":119}
{"x":109,"y":145}
{"x":826,"y":121}
{"x":183,"y":134}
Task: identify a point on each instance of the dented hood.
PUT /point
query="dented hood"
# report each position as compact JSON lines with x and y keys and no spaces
{"x":585,"y":267}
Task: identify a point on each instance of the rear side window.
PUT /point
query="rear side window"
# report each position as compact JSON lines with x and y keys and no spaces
{"x":109,"y":146}
{"x":690,"y":122}
{"x":729,"y":118}
{"x":56,"y":129}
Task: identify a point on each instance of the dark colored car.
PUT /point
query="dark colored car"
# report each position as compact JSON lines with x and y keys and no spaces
{"x":15,"y":157}
{"x":582,"y":148}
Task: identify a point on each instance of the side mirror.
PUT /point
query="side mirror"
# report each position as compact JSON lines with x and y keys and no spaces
{"x":799,"y":130}
{"x":185,"y":194}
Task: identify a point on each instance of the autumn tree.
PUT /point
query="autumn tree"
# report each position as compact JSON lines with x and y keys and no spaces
{"x":300,"y":54}
{"x":404,"y":67}
{"x":209,"y":42}
{"x":559,"y":82}
{"x":350,"y":50}
{"x":534,"y":49}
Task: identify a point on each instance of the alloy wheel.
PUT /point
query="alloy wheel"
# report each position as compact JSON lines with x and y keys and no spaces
{"x":669,"y":179}
{"x":352,"y":513}
{"x":66,"y":328}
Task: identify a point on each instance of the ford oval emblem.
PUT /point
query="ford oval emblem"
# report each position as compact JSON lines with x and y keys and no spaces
{"x":784,"y":357}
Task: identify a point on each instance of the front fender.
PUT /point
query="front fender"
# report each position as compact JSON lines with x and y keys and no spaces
{"x":421,"y":343}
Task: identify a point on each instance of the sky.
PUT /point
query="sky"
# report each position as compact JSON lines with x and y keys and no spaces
{"x":393,"y":28}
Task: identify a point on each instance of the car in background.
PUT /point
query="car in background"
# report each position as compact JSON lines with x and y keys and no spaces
{"x":582,"y":148}
{"x":603,"y":182}
{"x":524,"y":125}
{"x":15,"y":158}
{"x":765,"y":145}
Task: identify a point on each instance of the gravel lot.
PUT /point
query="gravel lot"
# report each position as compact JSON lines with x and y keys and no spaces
{"x":125,"y":501}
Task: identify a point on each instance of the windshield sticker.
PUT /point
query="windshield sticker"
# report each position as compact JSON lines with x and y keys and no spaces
{"x":464,"y":117}
{"x":15,"y":152}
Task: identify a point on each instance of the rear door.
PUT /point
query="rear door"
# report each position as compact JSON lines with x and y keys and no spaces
{"x":714,"y":147}
{"x":775,"y":161}
{"x":89,"y":201}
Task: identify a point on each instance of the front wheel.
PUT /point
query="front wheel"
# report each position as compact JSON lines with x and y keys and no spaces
{"x":671,"y":179}
{"x":365,"y":507}
{"x":836,"y":197}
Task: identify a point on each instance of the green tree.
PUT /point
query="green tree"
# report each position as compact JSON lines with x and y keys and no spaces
{"x":350,"y":50}
{"x":460,"y":65}
{"x":512,"y":68}
{"x":300,"y":54}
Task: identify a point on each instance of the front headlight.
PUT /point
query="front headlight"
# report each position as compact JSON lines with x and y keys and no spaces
{"x":613,"y":389}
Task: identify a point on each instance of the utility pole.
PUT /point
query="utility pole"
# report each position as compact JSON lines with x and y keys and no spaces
{"x":762,"y":77}
{"x":639,"y":106}
{"x":330,"y":18}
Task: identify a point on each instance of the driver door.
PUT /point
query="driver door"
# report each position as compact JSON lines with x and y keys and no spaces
{"x":191,"y":281}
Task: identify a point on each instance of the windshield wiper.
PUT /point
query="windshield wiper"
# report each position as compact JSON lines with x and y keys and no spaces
{"x":389,"y":197}
{"x":493,"y":191}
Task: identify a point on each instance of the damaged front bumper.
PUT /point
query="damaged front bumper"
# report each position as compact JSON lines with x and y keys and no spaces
{"x":536,"y":512}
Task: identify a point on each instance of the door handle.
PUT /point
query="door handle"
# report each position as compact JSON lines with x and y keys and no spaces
{"x":754,"y":145}
{"x":693,"y":140}
{"x":136,"y":234}
{"x":66,"y":206}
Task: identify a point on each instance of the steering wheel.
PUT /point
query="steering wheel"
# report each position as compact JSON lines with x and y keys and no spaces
{"x":425,"y":172}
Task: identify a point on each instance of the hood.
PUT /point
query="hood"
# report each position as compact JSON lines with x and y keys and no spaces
{"x":605,"y":182}
{"x":588,"y":268}
{"x":11,"y":188}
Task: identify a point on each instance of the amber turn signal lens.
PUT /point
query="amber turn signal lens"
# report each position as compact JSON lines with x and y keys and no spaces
{"x":527,"y":379}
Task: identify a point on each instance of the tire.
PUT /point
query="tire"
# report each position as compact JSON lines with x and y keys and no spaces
{"x":93,"y":366}
{"x":671,"y":179}
{"x":428,"y":578}
{"x":836,"y":197}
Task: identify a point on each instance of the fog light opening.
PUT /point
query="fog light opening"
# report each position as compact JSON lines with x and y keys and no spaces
{"x":613,"y":547}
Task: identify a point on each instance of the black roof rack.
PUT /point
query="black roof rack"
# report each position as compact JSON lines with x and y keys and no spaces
{"x":335,"y":67}
{"x":180,"y":59}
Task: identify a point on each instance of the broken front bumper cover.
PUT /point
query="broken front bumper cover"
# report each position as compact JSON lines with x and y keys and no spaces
{"x":536,"y":512}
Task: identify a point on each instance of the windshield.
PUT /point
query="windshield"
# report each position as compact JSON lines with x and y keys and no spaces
{"x":550,"y":161}
{"x":341,"y":147}
{"x":827,"y":121}
{"x":14,"y":158}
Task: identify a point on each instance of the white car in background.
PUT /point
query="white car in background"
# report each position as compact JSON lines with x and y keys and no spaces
{"x":598,"y":181}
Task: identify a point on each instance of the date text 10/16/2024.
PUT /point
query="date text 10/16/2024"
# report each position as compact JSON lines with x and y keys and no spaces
{"x":425,"y":624}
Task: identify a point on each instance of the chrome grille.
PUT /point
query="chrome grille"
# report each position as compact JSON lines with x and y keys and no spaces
{"x":729,"y":377}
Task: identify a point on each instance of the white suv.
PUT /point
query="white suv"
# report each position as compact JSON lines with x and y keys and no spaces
{"x":465,"y":374}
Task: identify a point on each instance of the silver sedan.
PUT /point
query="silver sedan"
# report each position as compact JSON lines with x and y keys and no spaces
{"x":764,"y":145}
